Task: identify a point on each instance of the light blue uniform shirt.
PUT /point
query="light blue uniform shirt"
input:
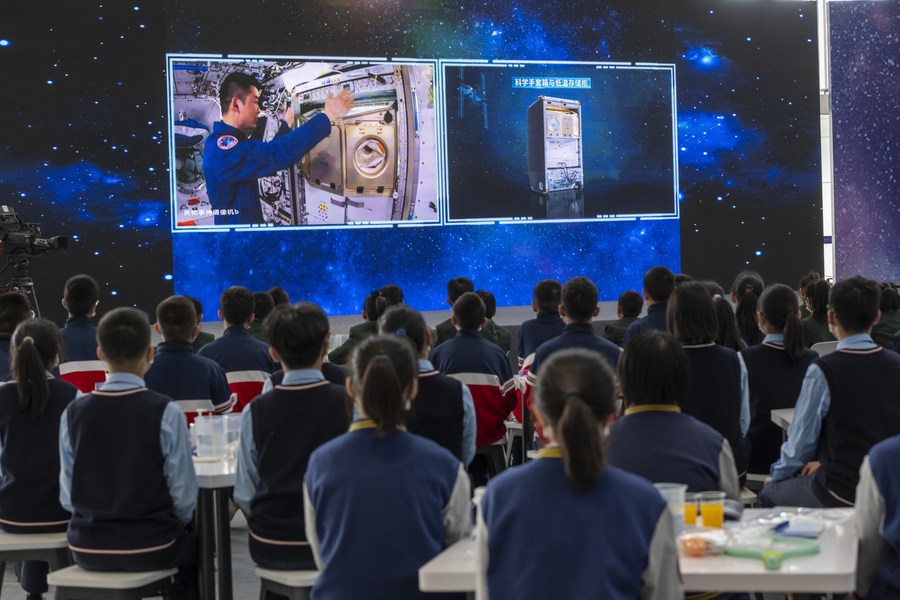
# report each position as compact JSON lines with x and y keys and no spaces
{"x":812,"y":406}
{"x":468,"y":437}
{"x":174,"y":442}
{"x":745,"y":397}
{"x":247,"y":479}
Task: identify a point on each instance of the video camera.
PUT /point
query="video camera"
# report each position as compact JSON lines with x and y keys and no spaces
{"x":19,"y":239}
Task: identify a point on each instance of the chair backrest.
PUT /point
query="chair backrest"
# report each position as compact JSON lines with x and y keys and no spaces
{"x":83,"y":374}
{"x":247,"y":385}
{"x":491,"y":405}
{"x":192,"y":408}
{"x":823,"y":348}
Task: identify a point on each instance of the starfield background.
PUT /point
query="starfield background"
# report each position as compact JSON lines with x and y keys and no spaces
{"x":84,"y":149}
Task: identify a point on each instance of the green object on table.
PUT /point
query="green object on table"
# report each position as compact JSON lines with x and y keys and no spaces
{"x":772,"y":559}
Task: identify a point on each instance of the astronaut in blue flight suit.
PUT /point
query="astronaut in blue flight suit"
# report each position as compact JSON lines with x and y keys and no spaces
{"x":232,"y":163}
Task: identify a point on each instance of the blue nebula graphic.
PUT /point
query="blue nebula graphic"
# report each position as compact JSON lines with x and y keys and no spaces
{"x":704,"y":58}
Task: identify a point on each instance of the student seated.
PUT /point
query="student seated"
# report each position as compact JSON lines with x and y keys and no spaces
{"x":546,"y":325}
{"x":889,"y":324}
{"x":654,"y":373}
{"x":79,"y":335}
{"x":481,"y":365}
{"x":847,"y":404}
{"x":456,"y":287}
{"x":14,"y":309}
{"x":30,"y":410}
{"x":628,"y":310}
{"x":878,"y":523}
{"x":443,"y":410}
{"x":807,"y":279}
{"x":775,"y":371}
{"x":491,"y":331}
{"x":381,"y":502}
{"x":246,"y":360}
{"x":659,"y":282}
{"x":177,"y":371}
{"x":815,"y":326}
{"x":718,"y":393}
{"x":566,"y":525}
{"x":203,"y":337}
{"x":279,"y":431}
{"x":392,"y":294}
{"x":745,"y":292}
{"x":262,"y":306}
{"x":126,"y":472}
{"x":359,"y":332}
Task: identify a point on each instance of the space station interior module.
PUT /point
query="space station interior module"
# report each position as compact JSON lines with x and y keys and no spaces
{"x":555,"y":153}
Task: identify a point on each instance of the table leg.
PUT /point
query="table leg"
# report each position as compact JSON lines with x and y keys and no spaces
{"x":205,"y":520}
{"x":223,"y":542}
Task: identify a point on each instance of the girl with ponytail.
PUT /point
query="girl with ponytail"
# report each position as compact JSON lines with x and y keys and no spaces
{"x":608,"y":530}
{"x":775,"y":371}
{"x":745,"y":292}
{"x":815,"y":326}
{"x":381,"y":502}
{"x":30,"y":411}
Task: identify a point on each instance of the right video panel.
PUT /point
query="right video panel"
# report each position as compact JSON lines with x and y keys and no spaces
{"x":537,"y":141}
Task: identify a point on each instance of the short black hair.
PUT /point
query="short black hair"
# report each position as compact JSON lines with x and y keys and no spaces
{"x":890,"y":299}
{"x":547,"y":294}
{"x":123,"y":335}
{"x":279,"y":295}
{"x":691,"y":315}
{"x":14,"y":308}
{"x":654,"y":369}
{"x":262,"y":305}
{"x":579,"y":298}
{"x":683,"y":277}
{"x":198,"y":307}
{"x":631,"y":303}
{"x":176,"y":317}
{"x":659,"y":282}
{"x":401,"y":320}
{"x":855,"y":301}
{"x":297,"y":333}
{"x":81,"y":293}
{"x":235,"y":85}
{"x":469,"y":311}
{"x":458,"y":286}
{"x":490,"y":303}
{"x":236,"y":304}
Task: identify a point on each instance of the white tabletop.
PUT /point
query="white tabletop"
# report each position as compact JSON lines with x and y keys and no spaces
{"x":214,"y":474}
{"x":832,"y":570}
{"x":783,"y":417}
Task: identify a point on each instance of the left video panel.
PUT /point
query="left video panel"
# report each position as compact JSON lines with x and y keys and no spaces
{"x":377,"y":167}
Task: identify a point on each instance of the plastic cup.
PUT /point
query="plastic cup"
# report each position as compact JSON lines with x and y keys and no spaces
{"x":712,"y":508}
{"x":690,"y":509}
{"x":673,"y":494}
{"x":211,"y":437}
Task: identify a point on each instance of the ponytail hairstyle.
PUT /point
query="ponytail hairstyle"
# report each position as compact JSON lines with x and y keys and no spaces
{"x":35,"y":347}
{"x":779,"y":305}
{"x":817,"y":294}
{"x":383,"y":370}
{"x":747,"y":288}
{"x":691,"y":315}
{"x":575,"y":393}
{"x":406,"y":323}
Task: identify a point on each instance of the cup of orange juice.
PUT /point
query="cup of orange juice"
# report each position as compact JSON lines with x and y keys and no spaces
{"x":712,"y":508}
{"x":690,"y":509}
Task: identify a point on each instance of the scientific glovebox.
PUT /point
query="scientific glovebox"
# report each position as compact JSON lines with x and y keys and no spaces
{"x":555,"y":153}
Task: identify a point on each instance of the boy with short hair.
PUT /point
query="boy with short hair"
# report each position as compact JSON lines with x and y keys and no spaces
{"x":126,"y":472}
{"x":279,"y":431}
{"x":263,"y":303}
{"x":847,"y":404}
{"x":456,"y":287}
{"x":491,"y":331}
{"x":360,"y":331}
{"x":80,"y":297}
{"x":177,"y":371}
{"x":203,"y":337}
{"x":246,"y":360}
{"x":659,"y":283}
{"x":547,"y":324}
{"x":628,"y":309}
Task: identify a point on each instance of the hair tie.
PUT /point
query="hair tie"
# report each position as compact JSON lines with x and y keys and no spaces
{"x":27,"y":338}
{"x":400,"y":331}
{"x":718,"y":297}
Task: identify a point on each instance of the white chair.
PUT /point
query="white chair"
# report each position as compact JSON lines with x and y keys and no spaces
{"x":296,"y":585}
{"x":823,"y":348}
{"x":51,"y":548}
{"x":75,"y":583}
